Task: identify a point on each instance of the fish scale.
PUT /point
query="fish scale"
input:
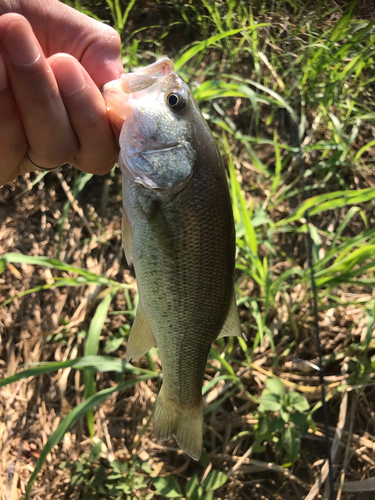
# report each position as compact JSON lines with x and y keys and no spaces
{"x":178,"y":231}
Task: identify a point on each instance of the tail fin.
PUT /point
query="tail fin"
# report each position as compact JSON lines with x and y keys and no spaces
{"x":185,"y":425}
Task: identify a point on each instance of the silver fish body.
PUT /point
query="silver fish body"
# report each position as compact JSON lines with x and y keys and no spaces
{"x":179,"y":233}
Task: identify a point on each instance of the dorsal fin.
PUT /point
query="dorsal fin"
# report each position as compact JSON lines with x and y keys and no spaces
{"x":232,"y":325}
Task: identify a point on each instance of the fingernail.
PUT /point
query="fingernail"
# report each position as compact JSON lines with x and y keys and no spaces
{"x":20,"y":45}
{"x":3,"y":74}
{"x":69,"y":77}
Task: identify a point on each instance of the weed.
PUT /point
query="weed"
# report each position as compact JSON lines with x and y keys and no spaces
{"x":96,"y":479}
{"x":169,"y":487}
{"x":282,"y":419}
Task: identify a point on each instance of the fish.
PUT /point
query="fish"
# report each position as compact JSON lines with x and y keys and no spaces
{"x":179,"y":234}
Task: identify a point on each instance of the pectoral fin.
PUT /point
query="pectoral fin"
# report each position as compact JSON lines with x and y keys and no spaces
{"x":127,"y":238}
{"x":141,"y":338}
{"x":232,"y":325}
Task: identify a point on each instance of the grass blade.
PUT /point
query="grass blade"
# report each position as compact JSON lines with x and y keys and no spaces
{"x":92,"y":278}
{"x":92,"y":348}
{"x":186,"y":56}
{"x":95,"y":363}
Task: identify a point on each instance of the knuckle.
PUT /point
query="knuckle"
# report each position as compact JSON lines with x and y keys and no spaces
{"x":60,"y":155}
{"x":94,"y":165}
{"x":111,"y":37}
{"x":45,"y":96}
{"x":8,"y":110}
{"x":93,"y":120}
{"x":42,"y":89}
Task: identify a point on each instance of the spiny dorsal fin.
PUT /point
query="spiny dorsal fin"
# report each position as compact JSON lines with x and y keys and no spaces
{"x":232,"y":325}
{"x":141,"y":338}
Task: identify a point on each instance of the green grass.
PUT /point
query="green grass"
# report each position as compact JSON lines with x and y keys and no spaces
{"x":244,"y":72}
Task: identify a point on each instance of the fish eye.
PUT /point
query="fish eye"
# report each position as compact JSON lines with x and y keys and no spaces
{"x":176,"y":101}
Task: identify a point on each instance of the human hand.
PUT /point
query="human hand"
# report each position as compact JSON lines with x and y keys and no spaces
{"x":50,"y":103}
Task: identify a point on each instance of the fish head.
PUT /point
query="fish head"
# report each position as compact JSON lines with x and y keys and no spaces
{"x":157,"y":136}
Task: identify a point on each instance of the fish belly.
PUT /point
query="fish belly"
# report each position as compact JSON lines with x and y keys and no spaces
{"x":183,"y":252}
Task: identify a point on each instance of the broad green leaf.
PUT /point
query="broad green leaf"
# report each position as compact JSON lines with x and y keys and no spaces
{"x":269,"y":402}
{"x":215,"y":480}
{"x":113,"y":343}
{"x":192,"y":487}
{"x":275,"y":386}
{"x":300,"y":420}
{"x":95,"y":451}
{"x":263,"y":431}
{"x":259,"y":448}
{"x":298,"y":401}
{"x":208,"y":496}
{"x":291,"y":443}
{"x":285,"y":415}
{"x":168,"y":487}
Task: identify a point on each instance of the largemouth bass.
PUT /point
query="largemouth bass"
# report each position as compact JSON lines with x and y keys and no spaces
{"x":178,"y":231}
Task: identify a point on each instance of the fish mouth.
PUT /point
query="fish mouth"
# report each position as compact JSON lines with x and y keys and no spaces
{"x":143,"y":78}
{"x":119,"y":95}
{"x":159,"y":75}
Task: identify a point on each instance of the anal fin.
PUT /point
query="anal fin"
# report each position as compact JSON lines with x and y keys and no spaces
{"x":232,"y":325}
{"x":141,"y":338}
